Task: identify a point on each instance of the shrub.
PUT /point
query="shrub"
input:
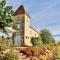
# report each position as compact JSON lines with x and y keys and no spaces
{"x":36,"y":41}
{"x":3,"y":47}
{"x":11,"y":56}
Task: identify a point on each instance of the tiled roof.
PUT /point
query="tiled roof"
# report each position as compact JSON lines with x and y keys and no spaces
{"x":20,"y":10}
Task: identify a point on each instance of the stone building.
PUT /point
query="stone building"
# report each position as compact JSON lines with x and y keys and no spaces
{"x":24,"y":32}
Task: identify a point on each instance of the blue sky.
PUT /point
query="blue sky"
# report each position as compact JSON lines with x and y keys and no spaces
{"x":44,"y":14}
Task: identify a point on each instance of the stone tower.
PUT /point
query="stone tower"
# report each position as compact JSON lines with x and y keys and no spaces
{"x":22,"y":27}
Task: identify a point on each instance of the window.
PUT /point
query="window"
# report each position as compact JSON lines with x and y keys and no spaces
{"x":23,"y":22}
{"x":26,"y":37}
{"x":18,"y":21}
{"x":18,"y":25}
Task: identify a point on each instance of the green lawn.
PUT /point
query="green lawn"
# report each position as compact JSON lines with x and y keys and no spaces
{"x":58,"y":52}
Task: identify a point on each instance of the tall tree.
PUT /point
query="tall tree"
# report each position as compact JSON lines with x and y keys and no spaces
{"x":5,"y":15}
{"x":46,"y":36}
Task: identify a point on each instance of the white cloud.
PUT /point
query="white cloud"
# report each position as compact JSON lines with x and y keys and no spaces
{"x":55,"y":31}
{"x":57,"y":39}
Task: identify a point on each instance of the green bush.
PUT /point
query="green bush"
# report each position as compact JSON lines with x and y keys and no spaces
{"x":11,"y":56}
{"x":3,"y":47}
{"x":36,"y":41}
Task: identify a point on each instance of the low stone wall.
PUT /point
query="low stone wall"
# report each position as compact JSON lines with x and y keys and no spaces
{"x":33,"y":52}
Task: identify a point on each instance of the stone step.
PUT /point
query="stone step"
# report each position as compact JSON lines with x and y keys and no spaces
{"x":27,"y":59}
{"x":20,"y":54}
{"x":20,"y":59}
{"x":23,"y":56}
{"x":24,"y":59}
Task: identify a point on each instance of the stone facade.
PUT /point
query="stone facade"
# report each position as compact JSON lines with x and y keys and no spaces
{"x":24,"y":32}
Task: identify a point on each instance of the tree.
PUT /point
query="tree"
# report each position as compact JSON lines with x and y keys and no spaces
{"x":46,"y":36}
{"x":5,"y":15}
{"x":36,"y":41}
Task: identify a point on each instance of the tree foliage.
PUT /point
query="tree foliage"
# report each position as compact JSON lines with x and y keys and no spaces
{"x":36,"y":41}
{"x":46,"y":36}
{"x":5,"y":15}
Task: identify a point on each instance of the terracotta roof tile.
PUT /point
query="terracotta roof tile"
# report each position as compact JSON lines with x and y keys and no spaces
{"x":20,"y":10}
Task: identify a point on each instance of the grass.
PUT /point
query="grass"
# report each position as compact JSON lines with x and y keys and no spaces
{"x":58,"y":52}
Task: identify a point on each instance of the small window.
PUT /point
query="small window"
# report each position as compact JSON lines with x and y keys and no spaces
{"x":22,"y":21}
{"x":18,"y":21}
{"x":28,"y":37}
{"x":18,"y":25}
